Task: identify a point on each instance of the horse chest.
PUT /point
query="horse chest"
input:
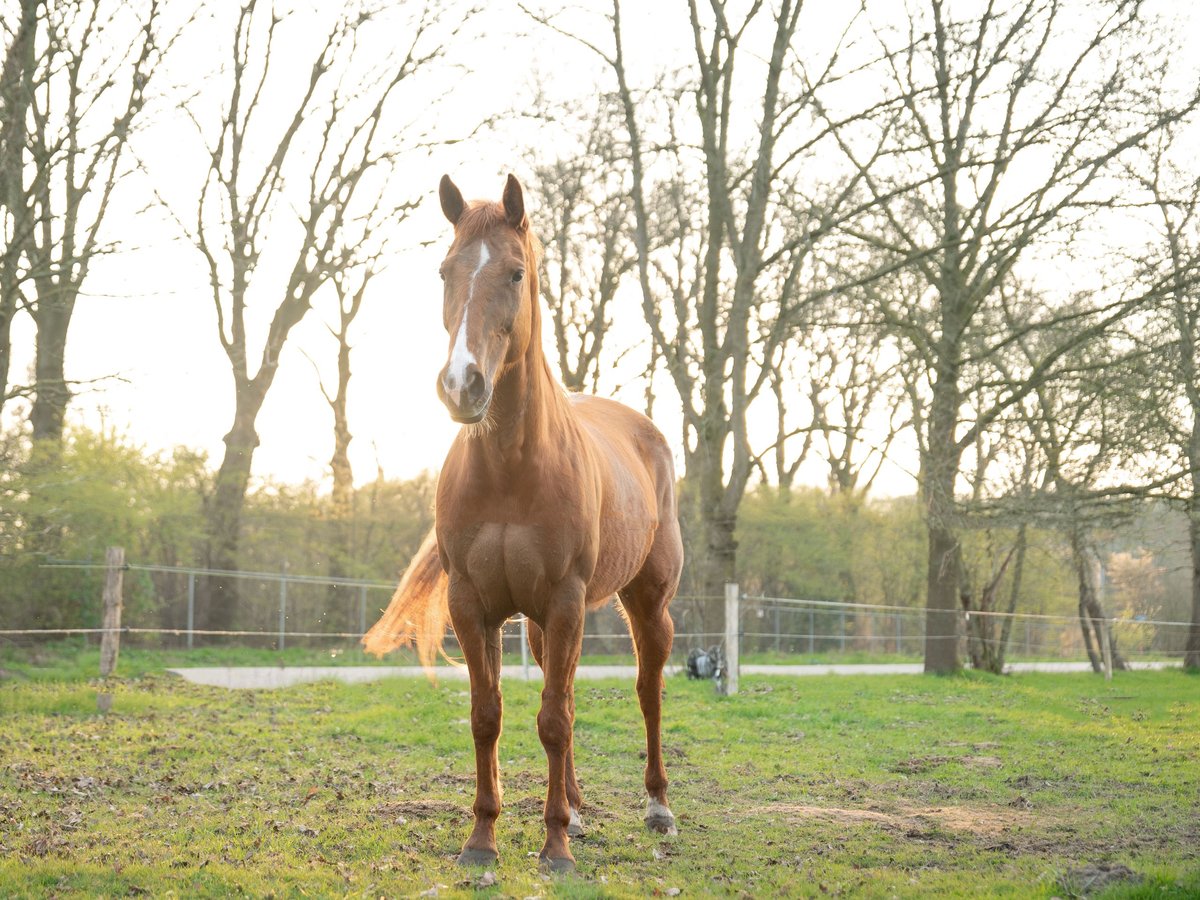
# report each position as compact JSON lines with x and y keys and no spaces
{"x":512,"y":567}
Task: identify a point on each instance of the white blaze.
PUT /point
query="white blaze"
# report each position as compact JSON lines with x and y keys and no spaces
{"x":461,"y":356}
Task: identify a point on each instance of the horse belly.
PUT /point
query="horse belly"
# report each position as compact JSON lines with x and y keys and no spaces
{"x":624,"y":544}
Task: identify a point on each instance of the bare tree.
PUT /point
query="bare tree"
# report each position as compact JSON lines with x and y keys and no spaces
{"x":74,"y":87}
{"x":16,"y":89}
{"x":1012,"y":119}
{"x":349,"y":287}
{"x":296,"y":188}
{"x":585,"y":227}
{"x":719,"y":282}
{"x":1172,"y":337}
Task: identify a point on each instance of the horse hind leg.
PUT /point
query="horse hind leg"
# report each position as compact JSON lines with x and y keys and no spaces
{"x":653,"y":633}
{"x":574,"y":795}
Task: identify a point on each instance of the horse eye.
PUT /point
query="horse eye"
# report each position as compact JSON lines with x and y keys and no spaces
{"x":517,"y":276}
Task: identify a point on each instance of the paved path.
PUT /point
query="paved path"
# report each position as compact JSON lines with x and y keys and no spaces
{"x":260,"y":677}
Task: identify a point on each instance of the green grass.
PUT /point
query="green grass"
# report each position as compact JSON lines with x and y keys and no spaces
{"x":854,"y":786}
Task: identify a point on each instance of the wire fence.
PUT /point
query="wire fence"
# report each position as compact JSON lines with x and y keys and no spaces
{"x":281,"y":610}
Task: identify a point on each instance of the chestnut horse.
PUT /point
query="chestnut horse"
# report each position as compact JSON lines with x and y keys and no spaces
{"x":548,"y":504}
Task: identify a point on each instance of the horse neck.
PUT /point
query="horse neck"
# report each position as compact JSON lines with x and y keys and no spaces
{"x":528,"y":405}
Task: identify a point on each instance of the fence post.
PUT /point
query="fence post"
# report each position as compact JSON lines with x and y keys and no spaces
{"x":899,"y":635}
{"x":362,"y":608}
{"x":110,"y":638}
{"x":282,"y":605}
{"x":1106,"y":643}
{"x":778,"y":629}
{"x":525,"y":646}
{"x":843,"y":622}
{"x":812,"y":631}
{"x":191,"y":612}
{"x":732,"y":617}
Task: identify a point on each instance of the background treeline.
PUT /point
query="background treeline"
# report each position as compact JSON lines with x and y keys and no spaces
{"x":805,"y":543}
{"x":105,"y":491}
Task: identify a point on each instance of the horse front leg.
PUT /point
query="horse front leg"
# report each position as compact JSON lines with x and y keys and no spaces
{"x":481,"y":646}
{"x":562,"y":644}
{"x":574,"y":794}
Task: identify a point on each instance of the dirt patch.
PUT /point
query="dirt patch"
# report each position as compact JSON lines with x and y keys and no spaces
{"x":976,"y":820}
{"x":918,"y":764}
{"x":983,"y":762}
{"x":421,"y":809}
{"x":1092,"y":879}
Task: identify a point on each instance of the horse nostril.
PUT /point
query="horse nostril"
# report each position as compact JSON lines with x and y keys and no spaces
{"x":474,"y":384}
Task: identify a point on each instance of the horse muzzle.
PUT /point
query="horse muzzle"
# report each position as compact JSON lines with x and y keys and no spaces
{"x":466,"y":394}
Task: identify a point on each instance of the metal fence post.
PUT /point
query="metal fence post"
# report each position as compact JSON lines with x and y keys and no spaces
{"x":525,"y":646}
{"x":812,"y":631}
{"x":282,"y":605}
{"x":732,"y":616}
{"x":191,"y":610}
{"x":843,"y":623}
{"x":362,"y":608}
{"x":1106,"y":644}
{"x":899,"y":635}
{"x":778,"y":629}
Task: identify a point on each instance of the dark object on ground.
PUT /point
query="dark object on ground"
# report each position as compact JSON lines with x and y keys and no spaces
{"x":708,"y":663}
{"x":1091,"y":880}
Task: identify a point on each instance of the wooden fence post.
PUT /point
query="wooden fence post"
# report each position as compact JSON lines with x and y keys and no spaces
{"x":110,"y":638}
{"x":732,"y":619}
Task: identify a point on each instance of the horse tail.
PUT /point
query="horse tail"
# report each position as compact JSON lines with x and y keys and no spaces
{"x":419,"y":609}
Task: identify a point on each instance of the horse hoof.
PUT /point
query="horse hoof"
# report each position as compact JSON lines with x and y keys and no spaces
{"x":557,"y":865}
{"x":575,"y":826}
{"x":472,"y":857}
{"x":660,"y":819}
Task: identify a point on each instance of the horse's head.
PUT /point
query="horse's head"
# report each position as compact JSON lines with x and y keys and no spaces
{"x":490,"y":277}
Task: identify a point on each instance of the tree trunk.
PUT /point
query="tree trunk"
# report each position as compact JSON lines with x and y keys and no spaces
{"x":720,"y":569}
{"x":8,"y":307}
{"x":711,"y":526}
{"x":217,"y":595}
{"x":15,"y":95}
{"x":1191,"y":657}
{"x":342,"y":496}
{"x":51,"y":396}
{"x":939,"y":470}
{"x":1014,"y":593}
{"x":1093,"y":623}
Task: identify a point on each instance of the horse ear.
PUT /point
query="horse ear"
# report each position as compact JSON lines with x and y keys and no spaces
{"x":452,"y":201}
{"x":514,"y":204}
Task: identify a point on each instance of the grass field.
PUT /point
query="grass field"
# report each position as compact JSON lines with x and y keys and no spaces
{"x":851,"y":786}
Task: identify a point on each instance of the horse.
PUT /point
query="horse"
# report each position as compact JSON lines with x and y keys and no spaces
{"x":548,"y":505}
